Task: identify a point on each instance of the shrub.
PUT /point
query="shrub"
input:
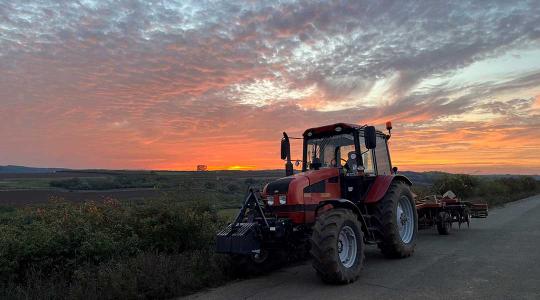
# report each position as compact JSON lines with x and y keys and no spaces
{"x":461,"y":184}
{"x":109,"y":250}
{"x":494,"y":191}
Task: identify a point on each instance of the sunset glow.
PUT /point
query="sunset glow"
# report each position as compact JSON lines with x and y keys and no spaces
{"x":168,"y":85}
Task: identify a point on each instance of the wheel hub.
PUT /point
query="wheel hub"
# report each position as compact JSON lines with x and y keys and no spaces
{"x":347,"y":246}
{"x":404,"y":217}
{"x":259,"y":257}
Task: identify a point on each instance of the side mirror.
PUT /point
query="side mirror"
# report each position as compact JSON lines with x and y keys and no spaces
{"x":370,"y":137}
{"x":286,"y":154}
{"x":285,"y":147}
{"x":394,"y":170}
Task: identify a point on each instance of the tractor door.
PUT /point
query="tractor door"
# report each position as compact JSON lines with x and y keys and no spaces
{"x":382,"y":163}
{"x":355,"y":187}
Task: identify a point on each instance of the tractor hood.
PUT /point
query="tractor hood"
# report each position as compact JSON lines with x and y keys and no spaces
{"x":297,"y":182}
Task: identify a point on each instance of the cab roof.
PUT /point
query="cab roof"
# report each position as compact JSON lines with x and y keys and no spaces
{"x":331,"y":128}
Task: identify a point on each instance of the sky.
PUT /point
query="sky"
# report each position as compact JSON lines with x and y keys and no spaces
{"x":173,"y":84}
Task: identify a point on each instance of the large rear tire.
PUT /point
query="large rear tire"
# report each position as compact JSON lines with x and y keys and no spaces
{"x":397,"y":220}
{"x":337,"y":246}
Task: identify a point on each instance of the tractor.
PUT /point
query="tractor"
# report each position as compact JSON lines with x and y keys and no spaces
{"x":347,"y":196}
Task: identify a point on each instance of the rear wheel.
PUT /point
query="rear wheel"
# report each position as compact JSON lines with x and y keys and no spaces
{"x":397,"y":221}
{"x":337,"y":246}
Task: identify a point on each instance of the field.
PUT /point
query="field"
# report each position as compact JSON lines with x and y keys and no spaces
{"x":224,"y":189}
{"x":148,"y":235}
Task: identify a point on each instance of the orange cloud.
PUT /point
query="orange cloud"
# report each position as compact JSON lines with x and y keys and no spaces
{"x":476,"y":149}
{"x":216,"y":83}
{"x":536,"y":104}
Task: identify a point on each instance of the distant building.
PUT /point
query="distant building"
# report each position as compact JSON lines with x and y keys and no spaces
{"x":202,"y":168}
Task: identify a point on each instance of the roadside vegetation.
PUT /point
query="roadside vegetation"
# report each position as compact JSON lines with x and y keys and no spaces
{"x":159,"y":248}
{"x":491,"y":190}
{"x":109,"y":250}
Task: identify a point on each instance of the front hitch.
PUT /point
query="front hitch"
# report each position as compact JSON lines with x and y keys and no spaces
{"x":244,"y":238}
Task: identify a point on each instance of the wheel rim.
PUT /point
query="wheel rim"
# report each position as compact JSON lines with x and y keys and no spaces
{"x":405,"y":219}
{"x":347,"y":246}
{"x":260,"y":257}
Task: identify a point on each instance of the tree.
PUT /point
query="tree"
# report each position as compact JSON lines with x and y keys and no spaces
{"x":461,"y":184}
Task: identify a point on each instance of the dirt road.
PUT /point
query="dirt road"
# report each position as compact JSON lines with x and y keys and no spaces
{"x":497,"y":258}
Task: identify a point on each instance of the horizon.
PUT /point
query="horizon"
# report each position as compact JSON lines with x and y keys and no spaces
{"x":169,"y":86}
{"x":248,"y":170}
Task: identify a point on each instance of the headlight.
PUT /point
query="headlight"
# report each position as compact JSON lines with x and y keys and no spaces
{"x":282,"y":199}
{"x":270,"y":200}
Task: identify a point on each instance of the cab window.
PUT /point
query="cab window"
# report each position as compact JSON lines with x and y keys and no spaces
{"x":328,"y":151}
{"x":381,"y":155}
{"x":367,"y":159}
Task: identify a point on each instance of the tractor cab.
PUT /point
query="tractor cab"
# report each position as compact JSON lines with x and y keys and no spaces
{"x":357,"y":154}
{"x":357,"y":150}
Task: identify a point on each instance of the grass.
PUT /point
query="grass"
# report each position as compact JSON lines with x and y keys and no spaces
{"x":228,"y":213}
{"x":222,"y":181}
{"x":24,"y":183}
{"x":37,"y":183}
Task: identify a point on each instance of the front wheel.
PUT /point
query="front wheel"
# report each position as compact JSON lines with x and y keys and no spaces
{"x":337,"y":246}
{"x":397,"y":221}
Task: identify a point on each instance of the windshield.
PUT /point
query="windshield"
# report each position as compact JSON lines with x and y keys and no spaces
{"x":329,"y":151}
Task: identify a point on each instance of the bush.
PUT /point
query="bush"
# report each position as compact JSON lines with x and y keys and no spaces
{"x":461,"y":184}
{"x":109,"y":250}
{"x":502,"y":190}
{"x":494,"y":191}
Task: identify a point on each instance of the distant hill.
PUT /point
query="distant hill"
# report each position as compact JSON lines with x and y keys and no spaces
{"x":27,"y":170}
{"x":422,"y":178}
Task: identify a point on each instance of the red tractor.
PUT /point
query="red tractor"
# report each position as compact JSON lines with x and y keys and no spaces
{"x":348,"y":195}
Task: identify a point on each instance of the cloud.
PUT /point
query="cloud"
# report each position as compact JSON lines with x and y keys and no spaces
{"x":144,"y":84}
{"x":265,"y":92}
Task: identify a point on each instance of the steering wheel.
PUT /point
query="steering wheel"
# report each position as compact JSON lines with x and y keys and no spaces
{"x":334,"y":163}
{"x":351,"y":161}
{"x":346,"y":165}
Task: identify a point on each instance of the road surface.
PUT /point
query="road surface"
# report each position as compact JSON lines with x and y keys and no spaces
{"x":497,"y":258}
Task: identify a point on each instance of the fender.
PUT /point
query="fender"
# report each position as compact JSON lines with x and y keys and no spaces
{"x":380,"y":186}
{"x":344,"y":203}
